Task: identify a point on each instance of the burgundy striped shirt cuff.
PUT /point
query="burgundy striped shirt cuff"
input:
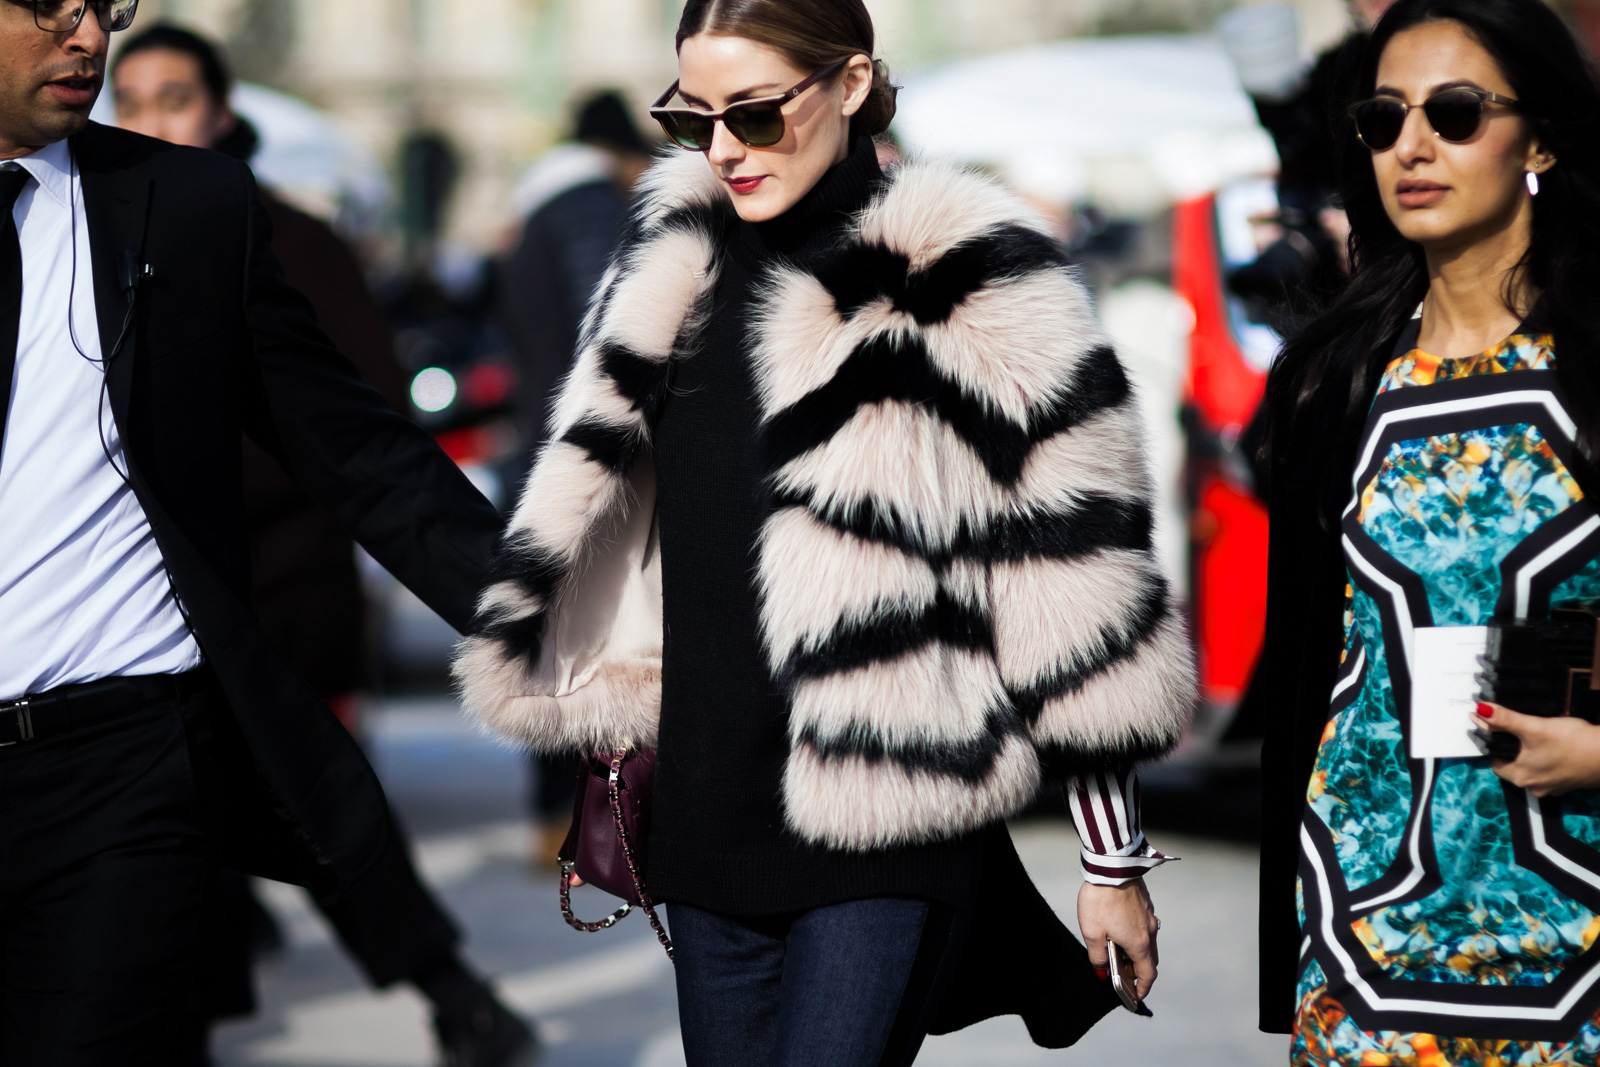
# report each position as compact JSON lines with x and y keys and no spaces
{"x":1105,"y":809}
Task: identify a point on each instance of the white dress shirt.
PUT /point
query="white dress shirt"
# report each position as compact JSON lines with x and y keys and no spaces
{"x":84,"y":593}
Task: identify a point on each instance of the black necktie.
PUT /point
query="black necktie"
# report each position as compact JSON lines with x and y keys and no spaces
{"x":12,"y":182}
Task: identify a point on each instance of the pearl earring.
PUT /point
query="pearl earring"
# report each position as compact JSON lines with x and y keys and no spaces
{"x":1533,"y":183}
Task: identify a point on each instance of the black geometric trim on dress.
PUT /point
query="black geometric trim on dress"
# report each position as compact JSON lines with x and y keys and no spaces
{"x":1352,"y":679}
{"x":1414,"y":874}
{"x":1402,"y":603}
{"x":1542,"y":561}
{"x":1471,"y":387}
{"x":1542,"y":844}
{"x":1465,"y":416}
{"x":1440,"y":409}
{"x":1377,"y":1002}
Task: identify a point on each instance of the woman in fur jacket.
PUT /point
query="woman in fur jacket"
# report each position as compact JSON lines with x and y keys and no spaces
{"x":846,"y":514}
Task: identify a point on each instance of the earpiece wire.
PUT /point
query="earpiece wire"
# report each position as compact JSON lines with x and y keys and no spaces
{"x":103,"y":401}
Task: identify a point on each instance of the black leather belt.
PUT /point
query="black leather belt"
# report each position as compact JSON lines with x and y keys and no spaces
{"x":68,"y":707}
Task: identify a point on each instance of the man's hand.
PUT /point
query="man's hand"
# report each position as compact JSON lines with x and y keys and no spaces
{"x":1558,"y":755}
{"x":1124,"y":914}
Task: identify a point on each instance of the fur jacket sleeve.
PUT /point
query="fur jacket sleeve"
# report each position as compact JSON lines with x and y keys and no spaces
{"x":956,"y":582}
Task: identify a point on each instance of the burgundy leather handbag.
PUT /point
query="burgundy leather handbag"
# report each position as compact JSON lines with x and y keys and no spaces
{"x":610,"y":816}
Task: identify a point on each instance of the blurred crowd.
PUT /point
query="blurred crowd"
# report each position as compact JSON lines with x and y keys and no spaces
{"x":473,"y":348}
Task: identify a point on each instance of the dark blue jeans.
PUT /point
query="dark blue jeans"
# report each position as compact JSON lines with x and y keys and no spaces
{"x":849,"y":985}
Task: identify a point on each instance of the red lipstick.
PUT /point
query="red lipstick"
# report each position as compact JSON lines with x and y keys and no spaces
{"x":746,"y":186}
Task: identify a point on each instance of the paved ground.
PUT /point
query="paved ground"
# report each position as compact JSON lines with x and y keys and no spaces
{"x":606,"y":1000}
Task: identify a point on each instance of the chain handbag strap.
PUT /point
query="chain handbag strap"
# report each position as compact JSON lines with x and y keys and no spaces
{"x":627,"y":852}
{"x":566,"y":906}
{"x":614,"y":791}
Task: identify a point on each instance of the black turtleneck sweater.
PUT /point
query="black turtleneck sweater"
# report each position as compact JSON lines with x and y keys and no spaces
{"x":718,"y":839}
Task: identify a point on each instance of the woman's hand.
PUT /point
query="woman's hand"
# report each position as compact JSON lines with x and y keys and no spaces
{"x":1124,"y":914}
{"x":1558,"y":755}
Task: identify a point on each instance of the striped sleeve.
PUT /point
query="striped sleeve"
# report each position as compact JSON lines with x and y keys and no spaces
{"x":1105,"y":809}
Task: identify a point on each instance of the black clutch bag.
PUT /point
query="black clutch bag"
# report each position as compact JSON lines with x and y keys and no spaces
{"x":1549,"y":668}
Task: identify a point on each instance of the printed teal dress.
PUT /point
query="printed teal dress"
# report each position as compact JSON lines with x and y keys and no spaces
{"x":1448,"y":916}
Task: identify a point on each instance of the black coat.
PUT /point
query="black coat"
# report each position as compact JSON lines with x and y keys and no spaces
{"x":1300,"y":656}
{"x":307,"y":587}
{"x":546,"y":285}
{"x":222,"y":346}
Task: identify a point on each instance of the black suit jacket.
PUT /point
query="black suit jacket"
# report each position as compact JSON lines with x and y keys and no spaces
{"x":220,"y":343}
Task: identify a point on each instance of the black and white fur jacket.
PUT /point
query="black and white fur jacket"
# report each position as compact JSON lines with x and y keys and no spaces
{"x":957,"y":587}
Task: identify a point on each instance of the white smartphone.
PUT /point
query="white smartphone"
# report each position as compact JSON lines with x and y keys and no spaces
{"x":1122,"y":977}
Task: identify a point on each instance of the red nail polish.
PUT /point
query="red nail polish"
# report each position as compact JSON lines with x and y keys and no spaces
{"x":1102,"y":973}
{"x":1485,"y":710}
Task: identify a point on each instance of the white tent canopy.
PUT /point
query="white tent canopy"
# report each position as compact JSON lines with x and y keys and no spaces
{"x":1129,"y":123}
{"x":305,"y":154}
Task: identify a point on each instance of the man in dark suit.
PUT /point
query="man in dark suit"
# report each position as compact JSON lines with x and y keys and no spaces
{"x":174,"y":85}
{"x":148,"y":731}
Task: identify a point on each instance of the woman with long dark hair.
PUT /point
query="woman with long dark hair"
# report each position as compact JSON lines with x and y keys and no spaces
{"x":1433,"y":443}
{"x":845,"y":513}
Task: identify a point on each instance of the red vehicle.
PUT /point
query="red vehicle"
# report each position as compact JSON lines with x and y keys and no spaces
{"x":1227,"y":523}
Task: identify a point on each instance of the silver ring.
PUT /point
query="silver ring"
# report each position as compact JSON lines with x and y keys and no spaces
{"x":1158,"y":924}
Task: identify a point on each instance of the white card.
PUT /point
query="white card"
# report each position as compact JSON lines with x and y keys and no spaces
{"x":1444,"y":689}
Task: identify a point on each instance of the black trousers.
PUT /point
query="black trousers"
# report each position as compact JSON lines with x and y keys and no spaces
{"x":103,"y":870}
{"x":389,"y":922}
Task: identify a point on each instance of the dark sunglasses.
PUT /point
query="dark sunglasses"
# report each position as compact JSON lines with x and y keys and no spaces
{"x":1456,"y":115}
{"x":63,"y":16}
{"x":758,"y":123}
